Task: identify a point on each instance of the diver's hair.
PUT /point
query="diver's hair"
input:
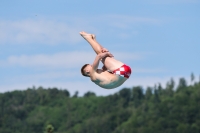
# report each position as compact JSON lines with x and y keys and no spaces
{"x":82,"y":70}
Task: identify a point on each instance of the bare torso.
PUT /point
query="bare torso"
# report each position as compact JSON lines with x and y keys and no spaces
{"x":108,"y":80}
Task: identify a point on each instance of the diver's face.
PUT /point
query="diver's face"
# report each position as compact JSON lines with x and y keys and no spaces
{"x":87,"y":69}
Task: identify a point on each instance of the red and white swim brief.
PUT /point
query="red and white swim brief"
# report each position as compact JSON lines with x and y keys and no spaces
{"x":124,"y":71}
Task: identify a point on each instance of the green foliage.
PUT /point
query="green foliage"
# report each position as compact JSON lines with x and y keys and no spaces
{"x":131,"y":110}
{"x":49,"y":129}
{"x":89,"y":94}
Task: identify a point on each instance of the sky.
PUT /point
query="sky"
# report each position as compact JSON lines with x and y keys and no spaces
{"x":40,"y":43}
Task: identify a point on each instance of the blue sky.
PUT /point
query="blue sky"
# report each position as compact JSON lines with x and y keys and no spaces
{"x":41,"y":46}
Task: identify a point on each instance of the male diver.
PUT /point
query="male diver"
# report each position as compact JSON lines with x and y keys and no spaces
{"x":113,"y":74}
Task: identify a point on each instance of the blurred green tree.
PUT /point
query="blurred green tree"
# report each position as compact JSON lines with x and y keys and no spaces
{"x":49,"y":129}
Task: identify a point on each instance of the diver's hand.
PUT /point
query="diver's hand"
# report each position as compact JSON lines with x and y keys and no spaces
{"x":104,"y":50}
{"x":105,"y":54}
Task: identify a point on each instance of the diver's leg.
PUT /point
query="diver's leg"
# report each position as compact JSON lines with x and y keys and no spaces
{"x":92,"y":41}
{"x":110,"y":63}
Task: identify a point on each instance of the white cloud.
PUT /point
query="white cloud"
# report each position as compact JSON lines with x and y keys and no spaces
{"x":58,"y":60}
{"x":62,"y":60}
{"x":45,"y":76}
{"x":65,"y":29}
{"x":38,"y":31}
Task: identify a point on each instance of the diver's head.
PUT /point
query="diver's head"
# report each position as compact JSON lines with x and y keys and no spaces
{"x":85,"y":70}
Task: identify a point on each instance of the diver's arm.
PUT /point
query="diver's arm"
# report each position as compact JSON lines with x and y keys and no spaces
{"x":96,"y":62}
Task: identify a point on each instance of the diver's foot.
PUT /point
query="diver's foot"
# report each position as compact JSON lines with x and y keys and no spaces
{"x":87,"y":36}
